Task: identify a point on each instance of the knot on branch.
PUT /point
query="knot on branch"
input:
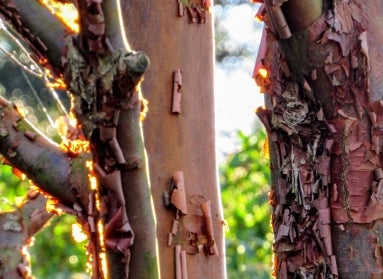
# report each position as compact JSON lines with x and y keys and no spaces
{"x":102,"y":84}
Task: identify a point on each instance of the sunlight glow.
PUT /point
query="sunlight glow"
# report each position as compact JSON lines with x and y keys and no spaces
{"x":65,"y":11}
{"x":266,"y":150}
{"x":100,"y":226}
{"x":21,"y":110}
{"x":76,"y":146}
{"x":67,"y":129}
{"x":78,"y":234}
{"x":52,"y":207}
{"x":19,"y":174}
{"x":123,"y":33}
{"x":259,"y":18}
{"x":92,"y":179}
{"x":102,"y":255}
{"x":263,"y":72}
{"x":58,"y":83}
{"x":207,"y":6}
{"x":19,"y":201}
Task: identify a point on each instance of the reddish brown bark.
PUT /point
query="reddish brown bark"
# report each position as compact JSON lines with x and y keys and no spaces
{"x":173,"y":140}
{"x":33,"y":154}
{"x":179,"y":141}
{"x":323,"y":120}
{"x":103,"y":75}
{"x":104,"y":81}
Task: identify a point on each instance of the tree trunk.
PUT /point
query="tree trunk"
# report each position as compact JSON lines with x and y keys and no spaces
{"x":323,"y":115}
{"x":182,"y":140}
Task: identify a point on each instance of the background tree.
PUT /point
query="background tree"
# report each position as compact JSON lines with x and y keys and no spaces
{"x":320,"y":69}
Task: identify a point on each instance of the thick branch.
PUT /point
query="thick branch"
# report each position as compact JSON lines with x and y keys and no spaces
{"x":46,"y":164}
{"x":137,"y":192}
{"x":114,"y":27}
{"x":109,"y":113}
{"x":39,"y":27}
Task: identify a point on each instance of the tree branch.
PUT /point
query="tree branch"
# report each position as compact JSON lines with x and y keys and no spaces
{"x":41,"y":29}
{"x":103,"y":95}
{"x":109,"y":112}
{"x":45,"y":163}
{"x":114,"y":26}
{"x":16,"y":229}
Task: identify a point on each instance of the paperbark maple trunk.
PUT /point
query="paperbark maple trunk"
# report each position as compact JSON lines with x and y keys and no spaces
{"x":324,"y":119}
{"x":179,"y":141}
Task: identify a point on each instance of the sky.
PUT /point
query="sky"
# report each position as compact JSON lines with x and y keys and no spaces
{"x":237,"y":95}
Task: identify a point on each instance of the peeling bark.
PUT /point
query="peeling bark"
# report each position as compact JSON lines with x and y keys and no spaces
{"x":104,"y":81}
{"x":323,"y":122}
{"x":103,"y":73}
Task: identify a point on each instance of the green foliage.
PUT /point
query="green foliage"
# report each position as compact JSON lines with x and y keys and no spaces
{"x":11,"y":188}
{"x":244,"y":179}
{"x":55,"y":254}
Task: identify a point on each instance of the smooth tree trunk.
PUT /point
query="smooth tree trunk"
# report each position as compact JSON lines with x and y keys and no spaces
{"x":180,"y":139}
{"x":179,"y":133}
{"x":320,"y":67}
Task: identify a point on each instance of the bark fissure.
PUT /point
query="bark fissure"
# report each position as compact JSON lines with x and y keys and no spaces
{"x":345,"y":168}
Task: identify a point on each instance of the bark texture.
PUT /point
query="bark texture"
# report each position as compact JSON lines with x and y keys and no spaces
{"x":180,"y":138}
{"x":103,"y":76}
{"x":323,"y":116}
